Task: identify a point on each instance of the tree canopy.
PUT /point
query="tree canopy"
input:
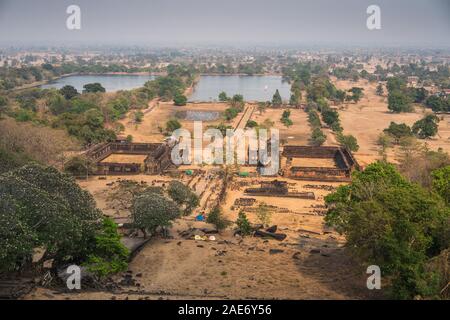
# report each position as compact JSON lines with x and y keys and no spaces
{"x":392,"y":223}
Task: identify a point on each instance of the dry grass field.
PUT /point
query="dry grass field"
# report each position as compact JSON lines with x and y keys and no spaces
{"x":370,"y":116}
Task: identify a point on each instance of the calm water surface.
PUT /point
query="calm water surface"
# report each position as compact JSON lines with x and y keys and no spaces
{"x":253,"y":88}
{"x":109,"y":82}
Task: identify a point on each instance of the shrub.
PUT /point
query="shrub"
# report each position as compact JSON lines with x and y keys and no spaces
{"x":318,"y":138}
{"x":109,"y":255}
{"x":348,"y":141}
{"x":180,"y":100}
{"x":243,"y":224}
{"x":264,"y":213}
{"x":216,"y":218}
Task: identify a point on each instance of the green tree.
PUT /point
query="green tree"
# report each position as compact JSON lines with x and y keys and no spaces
{"x":276,"y":99}
{"x":348,"y":141}
{"x":392,"y":223}
{"x":251,"y":124}
{"x":183,"y":196}
{"x":138,"y":116}
{"x":295,"y":99}
{"x":243,"y":224}
{"x":216,"y":218}
{"x":438,"y":104}
{"x":223,"y":96}
{"x":330,"y":116}
{"x":93,"y":87}
{"x":79,"y":166}
{"x":180,"y":100}
{"x":68,"y":92}
{"x":398,"y":131}
{"x":43,"y":208}
{"x":426,"y":127}
{"x":153,"y":210}
{"x":318,"y":138}
{"x":441,"y":182}
{"x":357,"y":94}
{"x":398,"y":102}
{"x":172,"y":125}
{"x":285,"y":118}
{"x":110,"y":255}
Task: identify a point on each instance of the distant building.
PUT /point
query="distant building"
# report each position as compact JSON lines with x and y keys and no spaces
{"x":413,"y":81}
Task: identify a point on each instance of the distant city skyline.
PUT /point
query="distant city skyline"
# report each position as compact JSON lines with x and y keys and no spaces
{"x":246,"y":22}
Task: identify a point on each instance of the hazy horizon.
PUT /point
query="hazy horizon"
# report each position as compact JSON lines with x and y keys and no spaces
{"x":251,"y":22}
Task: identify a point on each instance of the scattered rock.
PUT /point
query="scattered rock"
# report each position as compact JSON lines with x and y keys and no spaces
{"x":314,"y":251}
{"x":296,"y":256}
{"x":275,"y":251}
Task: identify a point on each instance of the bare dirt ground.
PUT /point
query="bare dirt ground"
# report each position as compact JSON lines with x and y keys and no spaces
{"x":370,"y":116}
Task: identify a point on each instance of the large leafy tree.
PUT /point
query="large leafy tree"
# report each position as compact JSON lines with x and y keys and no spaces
{"x":441,"y":182}
{"x":392,"y":223}
{"x":398,"y":131}
{"x":49,"y":210}
{"x":93,"y":87}
{"x":399,"y":101}
{"x":152,"y":210}
{"x":68,"y":92}
{"x":426,"y":127}
{"x":183,"y":196}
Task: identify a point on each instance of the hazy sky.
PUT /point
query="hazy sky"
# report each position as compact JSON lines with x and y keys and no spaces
{"x":147,"y":22}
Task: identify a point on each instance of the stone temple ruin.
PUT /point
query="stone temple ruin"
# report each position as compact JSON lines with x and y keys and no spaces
{"x":277,"y":188}
{"x":324,"y":163}
{"x":151,"y":158}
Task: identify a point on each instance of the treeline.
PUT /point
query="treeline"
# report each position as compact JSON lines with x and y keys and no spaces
{"x":319,"y":92}
{"x":440,"y":76}
{"x":401,"y":97}
{"x":257,"y":67}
